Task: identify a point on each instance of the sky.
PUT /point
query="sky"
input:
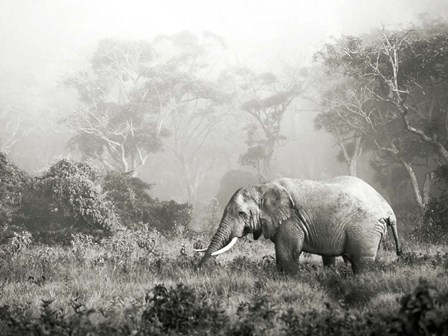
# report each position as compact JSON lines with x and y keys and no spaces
{"x":45,"y":35}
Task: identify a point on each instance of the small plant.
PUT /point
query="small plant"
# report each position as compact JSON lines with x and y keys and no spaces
{"x":20,"y":241}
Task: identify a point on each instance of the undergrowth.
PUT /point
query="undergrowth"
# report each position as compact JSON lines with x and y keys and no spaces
{"x":143,"y":283}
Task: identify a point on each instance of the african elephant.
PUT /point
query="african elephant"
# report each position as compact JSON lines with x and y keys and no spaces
{"x":343,"y":216}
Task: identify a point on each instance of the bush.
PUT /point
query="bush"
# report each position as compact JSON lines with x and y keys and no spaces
{"x":134,"y":205}
{"x":13,"y":183}
{"x":180,"y":310}
{"x":418,"y":315}
{"x":67,"y":199}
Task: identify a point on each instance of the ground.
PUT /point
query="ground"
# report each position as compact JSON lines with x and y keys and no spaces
{"x":148,"y":284}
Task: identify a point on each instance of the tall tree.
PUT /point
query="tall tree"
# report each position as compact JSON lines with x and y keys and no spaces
{"x":189,"y":85}
{"x":404,"y":76}
{"x":342,"y":112}
{"x":116,"y":120}
{"x":266,"y":98}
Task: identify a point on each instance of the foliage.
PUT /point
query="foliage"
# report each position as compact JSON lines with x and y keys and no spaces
{"x":266,"y":98}
{"x":169,"y":215}
{"x":417,"y":315}
{"x":130,"y":197}
{"x":180,"y":310}
{"x":131,"y":201}
{"x":116,"y":121}
{"x":189,"y":84}
{"x":99,"y":286}
{"x":13,"y":184}
{"x":254,"y":318}
{"x":67,"y":199}
{"x":388,"y":91}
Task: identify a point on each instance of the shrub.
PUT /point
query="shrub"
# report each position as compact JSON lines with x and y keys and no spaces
{"x":332,"y":321}
{"x":13,"y":184}
{"x":67,"y":199}
{"x":134,"y":205}
{"x":169,"y":215}
{"x":254,"y":318}
{"x":130,"y":197}
{"x":418,"y":315}
{"x":180,"y":310}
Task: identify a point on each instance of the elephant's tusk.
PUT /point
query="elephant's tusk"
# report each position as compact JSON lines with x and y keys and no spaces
{"x":227,"y":247}
{"x":200,"y":250}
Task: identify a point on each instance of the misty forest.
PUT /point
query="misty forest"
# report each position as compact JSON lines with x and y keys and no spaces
{"x":139,"y":141}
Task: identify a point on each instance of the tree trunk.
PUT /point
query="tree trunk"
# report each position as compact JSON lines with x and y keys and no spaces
{"x":352,"y":167}
{"x":415,"y":187}
{"x":427,"y":185}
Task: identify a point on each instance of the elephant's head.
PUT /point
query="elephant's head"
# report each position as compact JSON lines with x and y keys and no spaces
{"x":255,"y":209}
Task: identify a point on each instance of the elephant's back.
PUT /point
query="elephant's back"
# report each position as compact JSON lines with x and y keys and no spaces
{"x":363,"y":193}
{"x":337,"y":197}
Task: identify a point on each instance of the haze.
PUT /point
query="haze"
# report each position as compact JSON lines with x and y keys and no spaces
{"x":44,"y":41}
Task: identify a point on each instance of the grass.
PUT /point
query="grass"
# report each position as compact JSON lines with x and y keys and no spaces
{"x":148,"y":284}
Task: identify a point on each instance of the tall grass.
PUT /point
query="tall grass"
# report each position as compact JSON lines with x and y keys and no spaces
{"x":145,"y":283}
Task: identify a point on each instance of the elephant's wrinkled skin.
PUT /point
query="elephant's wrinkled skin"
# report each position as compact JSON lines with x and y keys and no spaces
{"x":343,"y":216}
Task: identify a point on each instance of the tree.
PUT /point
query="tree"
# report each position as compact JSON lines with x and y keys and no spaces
{"x":192,"y":93}
{"x":413,"y":66}
{"x":11,"y":129}
{"x":266,"y":98}
{"x":116,"y":120}
{"x":401,"y":75}
{"x":343,"y":112}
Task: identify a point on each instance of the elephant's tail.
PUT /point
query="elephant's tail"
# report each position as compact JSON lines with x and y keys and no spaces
{"x":392,"y":221}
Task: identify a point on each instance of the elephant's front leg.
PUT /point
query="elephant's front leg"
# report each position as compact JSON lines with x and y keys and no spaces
{"x":288,"y":247}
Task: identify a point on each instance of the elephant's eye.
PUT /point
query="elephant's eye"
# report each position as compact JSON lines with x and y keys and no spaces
{"x":242,"y":214}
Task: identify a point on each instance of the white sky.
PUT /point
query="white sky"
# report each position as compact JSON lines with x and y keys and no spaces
{"x":39,"y":32}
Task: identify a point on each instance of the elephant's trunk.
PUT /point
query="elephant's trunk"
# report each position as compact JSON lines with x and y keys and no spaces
{"x":220,"y":239}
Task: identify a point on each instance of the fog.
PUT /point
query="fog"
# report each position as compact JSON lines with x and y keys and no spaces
{"x":43,"y":42}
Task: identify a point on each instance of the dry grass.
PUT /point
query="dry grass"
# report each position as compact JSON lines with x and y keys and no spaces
{"x":113,"y":278}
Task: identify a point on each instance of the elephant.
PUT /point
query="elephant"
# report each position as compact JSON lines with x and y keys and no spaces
{"x":343,"y":216}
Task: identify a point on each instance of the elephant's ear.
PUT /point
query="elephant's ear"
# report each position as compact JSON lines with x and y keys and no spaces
{"x":276,"y":206}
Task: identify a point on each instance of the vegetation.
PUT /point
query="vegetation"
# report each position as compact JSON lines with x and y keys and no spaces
{"x":72,"y":197}
{"x":133,"y":204}
{"x":140,"y":282}
{"x":386,"y":95}
{"x":93,"y":251}
{"x":13,"y":181}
